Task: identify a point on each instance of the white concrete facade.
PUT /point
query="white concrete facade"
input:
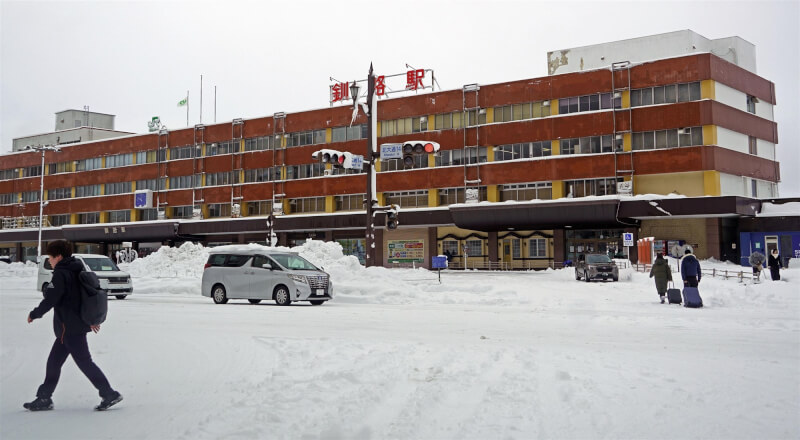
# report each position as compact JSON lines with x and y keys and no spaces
{"x":636,"y":50}
{"x":738,"y":100}
{"x":732,"y":185}
{"x":82,"y":134}
{"x":80,"y":118}
{"x":740,"y":142}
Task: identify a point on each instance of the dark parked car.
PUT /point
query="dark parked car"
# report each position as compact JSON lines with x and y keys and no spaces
{"x":596,"y":267}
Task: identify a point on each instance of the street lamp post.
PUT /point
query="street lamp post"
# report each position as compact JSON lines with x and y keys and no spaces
{"x":370,"y":164}
{"x":42,"y":149}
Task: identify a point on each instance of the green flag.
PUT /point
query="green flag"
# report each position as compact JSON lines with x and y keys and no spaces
{"x":183,"y":102}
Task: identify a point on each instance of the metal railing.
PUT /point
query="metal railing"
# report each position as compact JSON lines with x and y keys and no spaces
{"x":23,"y":222}
{"x":726,"y":274}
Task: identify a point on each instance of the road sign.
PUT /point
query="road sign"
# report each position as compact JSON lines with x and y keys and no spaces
{"x":627,"y":239}
{"x":391,"y":151}
{"x":357,"y":162}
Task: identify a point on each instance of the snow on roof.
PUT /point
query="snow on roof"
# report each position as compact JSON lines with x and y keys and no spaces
{"x":790,"y":209}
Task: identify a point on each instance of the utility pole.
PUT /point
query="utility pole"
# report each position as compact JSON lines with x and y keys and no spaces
{"x":371,"y":177}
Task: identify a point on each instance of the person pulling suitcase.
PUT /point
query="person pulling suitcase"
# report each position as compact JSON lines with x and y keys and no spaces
{"x":662,"y":274}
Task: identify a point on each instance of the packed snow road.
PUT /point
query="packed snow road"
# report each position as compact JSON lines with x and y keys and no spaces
{"x":483,"y":355}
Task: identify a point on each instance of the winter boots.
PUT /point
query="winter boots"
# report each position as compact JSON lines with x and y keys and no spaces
{"x":662,"y":299}
{"x":39,"y":404}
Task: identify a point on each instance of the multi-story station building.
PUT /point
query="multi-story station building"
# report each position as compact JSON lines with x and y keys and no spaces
{"x":684,"y":123}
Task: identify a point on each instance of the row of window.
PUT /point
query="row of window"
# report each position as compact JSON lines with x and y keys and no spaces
{"x":669,"y":94}
{"x":648,"y":140}
{"x":526,"y":110}
{"x":537,"y":247}
{"x":585,"y":103}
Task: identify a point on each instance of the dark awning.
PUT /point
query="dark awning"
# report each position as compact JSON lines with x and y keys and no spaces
{"x":689,"y":207}
{"x":113,"y":233}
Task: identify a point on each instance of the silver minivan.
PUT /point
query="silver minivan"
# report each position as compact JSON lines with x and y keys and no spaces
{"x":257,"y":273}
{"x":113,"y":280}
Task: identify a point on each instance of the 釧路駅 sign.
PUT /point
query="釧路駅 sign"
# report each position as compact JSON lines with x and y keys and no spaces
{"x":406,"y":251}
{"x":411,"y":81}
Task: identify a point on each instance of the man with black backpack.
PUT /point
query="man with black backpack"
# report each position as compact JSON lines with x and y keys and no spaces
{"x":64,"y":296}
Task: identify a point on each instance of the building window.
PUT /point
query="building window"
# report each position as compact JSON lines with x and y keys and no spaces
{"x":526,"y":110}
{"x":522,"y":151}
{"x":59,"y":220}
{"x":350,"y":202}
{"x":261,"y":143}
{"x":119,"y":160}
{"x":8,"y":198}
{"x":420,"y":161}
{"x":259,"y":208}
{"x":148,"y":214}
{"x":222,"y":178}
{"x":88,"y":218}
{"x":262,"y":175}
{"x":751,"y":104}
{"x":587,"y":145}
{"x":227,"y":147}
{"x":307,"y":204}
{"x":753,"y":188}
{"x":469,"y":155}
{"x":146,"y":157}
{"x":585,"y":103}
{"x":32,"y":171}
{"x":182,"y":211}
{"x":537,"y":248}
{"x":182,"y":182}
{"x":668,"y":94}
{"x":119,"y":216}
{"x":516,"y":248}
{"x":592,"y":187}
{"x":569,"y":146}
{"x":451,"y":196}
{"x":89,"y":164}
{"x":117,"y":188}
{"x":342,"y":134}
{"x":8,"y":174}
{"x":305,"y":171}
{"x":219,"y":210}
{"x":59,"y":193}
{"x":683,"y":137}
{"x":753,"y":145}
{"x":408,"y":199}
{"x":527,"y":191}
{"x":474,"y":248}
{"x":450,"y":245}
{"x":88,"y":190}
{"x":30,"y":196}
{"x":305,"y":138}
{"x":61,"y":167}
{"x":151,"y":184}
{"x":186,"y":152}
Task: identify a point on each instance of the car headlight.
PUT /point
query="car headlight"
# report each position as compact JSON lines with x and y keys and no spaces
{"x":299,"y":278}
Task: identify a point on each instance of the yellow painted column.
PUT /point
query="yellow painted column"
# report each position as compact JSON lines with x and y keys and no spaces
{"x":328,"y":135}
{"x":711,"y":185}
{"x":166,"y":183}
{"x":166,"y":153}
{"x":555,"y":148}
{"x":241,"y":145}
{"x":490,"y":153}
{"x":134,"y":215}
{"x":490,"y":115}
{"x":133,"y":186}
{"x":708,"y":89}
{"x":73,"y":219}
{"x":553,"y":107}
{"x":73,"y":190}
{"x":103,"y":160}
{"x":19,"y":173}
{"x":168,"y":212}
{"x":627,"y":142}
{"x":377,"y":128}
{"x":626,"y":99}
{"x":431,"y":122}
{"x":433,"y":198}
{"x":287,"y":208}
{"x":377,"y":165}
{"x":709,"y":135}
{"x":241,"y":176}
{"x":102,"y":189}
{"x":493,"y":193}
{"x":330,"y":204}
{"x":558,"y":189}
{"x":431,"y":160}
{"x":104,"y":217}
{"x":381,"y":199}
{"x":204,"y":210}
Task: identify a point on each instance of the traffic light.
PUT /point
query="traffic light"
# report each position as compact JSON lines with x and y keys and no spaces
{"x":391,"y":218}
{"x":417,"y":148}
{"x":339,"y":159}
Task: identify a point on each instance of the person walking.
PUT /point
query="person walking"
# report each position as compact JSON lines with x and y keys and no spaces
{"x":774,"y":263}
{"x":690,"y":269}
{"x":662,"y":274}
{"x":64,"y":297}
{"x":757,"y":260}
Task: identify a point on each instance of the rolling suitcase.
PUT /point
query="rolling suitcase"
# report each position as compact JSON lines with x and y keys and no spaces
{"x":691,"y":297}
{"x":673,"y":294}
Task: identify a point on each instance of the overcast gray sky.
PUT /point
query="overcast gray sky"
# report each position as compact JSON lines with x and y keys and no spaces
{"x":138,"y":59}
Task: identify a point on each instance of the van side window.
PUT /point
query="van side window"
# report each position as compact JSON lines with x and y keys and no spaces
{"x":47,"y":264}
{"x":236,"y":260}
{"x":216,"y":259}
{"x":260,"y":260}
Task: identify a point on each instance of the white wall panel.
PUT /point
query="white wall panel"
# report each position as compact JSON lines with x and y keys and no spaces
{"x":732,"y":140}
{"x":730,"y":96}
{"x":731,"y":185}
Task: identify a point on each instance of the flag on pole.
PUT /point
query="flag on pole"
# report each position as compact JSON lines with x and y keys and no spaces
{"x":183,"y":102}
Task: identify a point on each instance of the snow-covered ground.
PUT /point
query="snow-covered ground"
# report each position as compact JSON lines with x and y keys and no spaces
{"x":396,"y":355}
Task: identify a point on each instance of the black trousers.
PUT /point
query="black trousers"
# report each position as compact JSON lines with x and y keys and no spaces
{"x":775,"y":272}
{"x":77,"y":347}
{"x":690,"y":282}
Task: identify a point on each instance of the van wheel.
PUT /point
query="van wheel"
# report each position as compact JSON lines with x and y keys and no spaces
{"x":254,"y":301}
{"x":317,"y":302}
{"x":121,"y":296}
{"x":218,"y":294}
{"x":281,"y":296}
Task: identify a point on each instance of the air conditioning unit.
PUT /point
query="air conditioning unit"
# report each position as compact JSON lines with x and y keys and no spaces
{"x":684,"y":130}
{"x":617,"y":95}
{"x":327,"y":172}
{"x":545,"y":103}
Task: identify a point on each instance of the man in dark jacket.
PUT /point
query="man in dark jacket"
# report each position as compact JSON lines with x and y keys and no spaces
{"x":64,"y":296}
{"x":690,"y":269}
{"x":774,"y":263}
{"x":663,"y":275}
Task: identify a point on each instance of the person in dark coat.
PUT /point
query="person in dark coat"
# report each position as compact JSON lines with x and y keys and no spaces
{"x":774,"y":263}
{"x":757,"y":260}
{"x":662,"y":274}
{"x":64,"y":297}
{"x":690,"y":269}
